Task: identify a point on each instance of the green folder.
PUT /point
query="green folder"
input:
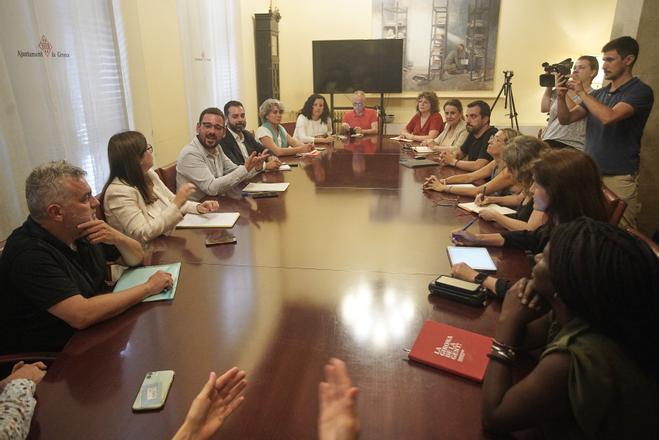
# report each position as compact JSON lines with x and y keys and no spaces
{"x":139,"y":275}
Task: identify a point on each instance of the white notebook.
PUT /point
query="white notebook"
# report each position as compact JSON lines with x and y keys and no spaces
{"x":210,"y":220}
{"x":266,"y":187}
{"x":472,"y":207}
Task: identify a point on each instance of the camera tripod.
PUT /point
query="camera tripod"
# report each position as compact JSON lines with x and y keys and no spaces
{"x":509,"y":100}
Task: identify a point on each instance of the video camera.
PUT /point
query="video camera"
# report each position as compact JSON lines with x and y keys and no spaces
{"x":564,"y":68}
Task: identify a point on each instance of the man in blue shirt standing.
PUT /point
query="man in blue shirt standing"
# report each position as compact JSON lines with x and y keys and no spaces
{"x":616,"y":116}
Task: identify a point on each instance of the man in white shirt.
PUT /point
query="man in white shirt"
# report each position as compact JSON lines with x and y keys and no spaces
{"x":239,"y":143}
{"x":206,"y":166}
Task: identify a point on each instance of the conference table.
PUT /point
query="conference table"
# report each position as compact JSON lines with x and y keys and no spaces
{"x":336,"y":266}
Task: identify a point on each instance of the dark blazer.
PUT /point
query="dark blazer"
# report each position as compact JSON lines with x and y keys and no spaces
{"x":232,"y":150}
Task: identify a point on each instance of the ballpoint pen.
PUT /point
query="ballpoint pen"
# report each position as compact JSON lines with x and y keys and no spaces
{"x":468,"y":225}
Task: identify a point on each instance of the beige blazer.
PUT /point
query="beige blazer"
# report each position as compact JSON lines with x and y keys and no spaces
{"x":126,"y":210}
{"x":456,"y":138}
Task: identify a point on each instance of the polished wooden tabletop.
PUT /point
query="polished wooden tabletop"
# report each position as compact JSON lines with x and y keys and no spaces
{"x":337,"y":266}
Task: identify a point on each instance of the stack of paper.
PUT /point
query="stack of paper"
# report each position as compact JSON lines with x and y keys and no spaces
{"x":140,"y":275}
{"x":210,"y":220}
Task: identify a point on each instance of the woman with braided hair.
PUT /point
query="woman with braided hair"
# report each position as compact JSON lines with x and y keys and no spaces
{"x":596,"y":294}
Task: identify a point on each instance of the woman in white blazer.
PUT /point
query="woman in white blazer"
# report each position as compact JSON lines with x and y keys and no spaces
{"x":135,"y":200}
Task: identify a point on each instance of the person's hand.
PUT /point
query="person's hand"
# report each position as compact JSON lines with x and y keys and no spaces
{"x":489,"y":214}
{"x":447,"y":158}
{"x":97,"y":231}
{"x":482,"y":200}
{"x":338,"y":418}
{"x":218,"y":399}
{"x":183,"y":193}
{"x":575,"y":84}
{"x":428,"y":182}
{"x":433,"y":184}
{"x":531,"y":298}
{"x":358,"y":130}
{"x":255,"y":161}
{"x":208,"y":206}
{"x":273,"y":163}
{"x":515,"y":311}
{"x":464,"y":238}
{"x":427,"y":142}
{"x":34,"y":372}
{"x":464,"y":272}
{"x":159,"y":282}
{"x":561,"y":86}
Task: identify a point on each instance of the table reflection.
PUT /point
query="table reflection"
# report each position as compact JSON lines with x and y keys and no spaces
{"x":377,"y":315}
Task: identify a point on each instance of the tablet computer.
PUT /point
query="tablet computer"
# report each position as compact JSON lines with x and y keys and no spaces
{"x":478,"y":258}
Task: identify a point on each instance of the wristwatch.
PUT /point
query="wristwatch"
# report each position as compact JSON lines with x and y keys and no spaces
{"x":480,"y":277}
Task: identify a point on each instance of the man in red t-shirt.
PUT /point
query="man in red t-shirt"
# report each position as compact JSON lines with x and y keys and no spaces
{"x":363,"y":120}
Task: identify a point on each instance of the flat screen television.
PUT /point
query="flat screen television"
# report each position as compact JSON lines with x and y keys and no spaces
{"x":343,"y":66}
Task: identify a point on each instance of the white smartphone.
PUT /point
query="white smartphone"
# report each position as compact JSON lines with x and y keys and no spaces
{"x":154,"y":389}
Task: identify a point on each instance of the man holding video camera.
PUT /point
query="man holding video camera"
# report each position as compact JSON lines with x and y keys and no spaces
{"x":574,"y":134}
{"x":616,"y":116}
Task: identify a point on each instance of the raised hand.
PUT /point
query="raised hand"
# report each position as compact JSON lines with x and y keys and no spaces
{"x":338,"y":418}
{"x":217,"y":400}
{"x":183,"y":193}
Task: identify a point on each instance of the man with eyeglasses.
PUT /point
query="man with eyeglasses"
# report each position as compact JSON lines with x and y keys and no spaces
{"x":615,"y":119}
{"x":363,"y":120}
{"x":204,"y":164}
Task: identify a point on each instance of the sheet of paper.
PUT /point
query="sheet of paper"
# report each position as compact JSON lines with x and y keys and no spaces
{"x":210,"y":220}
{"x":266,"y":187}
{"x":478,"y":258}
{"x":472,"y":207}
{"x":285,"y":167}
{"x":139,"y":275}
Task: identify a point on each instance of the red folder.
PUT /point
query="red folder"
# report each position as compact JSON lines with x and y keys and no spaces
{"x":452,"y":349}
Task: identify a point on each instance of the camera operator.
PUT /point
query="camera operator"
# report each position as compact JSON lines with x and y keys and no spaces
{"x":572,"y":135}
{"x":616,"y":116}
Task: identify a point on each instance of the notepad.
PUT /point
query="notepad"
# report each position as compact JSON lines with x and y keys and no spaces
{"x":478,"y":258}
{"x":140,"y":275}
{"x":210,"y":220}
{"x":422,"y":149}
{"x":266,"y":187}
{"x":473,"y":207}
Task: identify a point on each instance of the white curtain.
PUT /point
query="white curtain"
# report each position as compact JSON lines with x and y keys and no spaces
{"x":209,"y":30}
{"x":61,"y":93}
